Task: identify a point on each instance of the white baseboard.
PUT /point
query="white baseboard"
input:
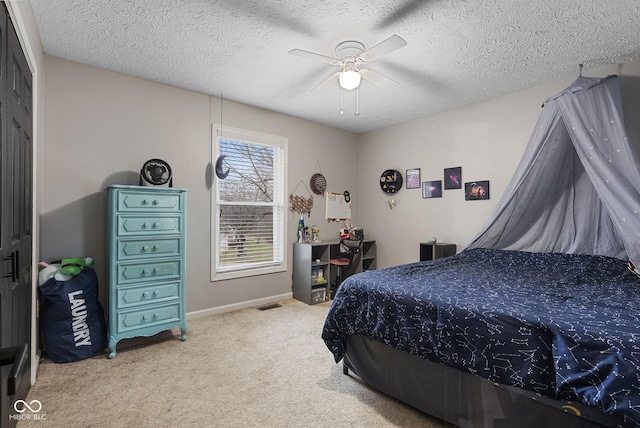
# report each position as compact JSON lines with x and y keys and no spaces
{"x":237,"y":306}
{"x":35,"y":365}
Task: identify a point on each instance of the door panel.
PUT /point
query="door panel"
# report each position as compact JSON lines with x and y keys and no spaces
{"x":15,"y":217}
{"x":17,"y":188}
{"x":6,"y":201}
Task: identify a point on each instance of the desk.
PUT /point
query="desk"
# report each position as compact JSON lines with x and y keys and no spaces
{"x":429,"y":251}
{"x":312,"y":273}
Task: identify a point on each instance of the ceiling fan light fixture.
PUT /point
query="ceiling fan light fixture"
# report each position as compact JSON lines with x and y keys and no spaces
{"x":349,"y":79}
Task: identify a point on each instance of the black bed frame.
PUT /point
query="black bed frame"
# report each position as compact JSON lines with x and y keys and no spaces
{"x":461,"y":398}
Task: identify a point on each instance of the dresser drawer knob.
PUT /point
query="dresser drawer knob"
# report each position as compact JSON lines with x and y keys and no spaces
{"x":155,"y":202}
{"x":154,"y":225}
{"x":144,"y":248}
{"x":144,"y":202}
{"x":155,"y":248}
{"x":145,"y":225}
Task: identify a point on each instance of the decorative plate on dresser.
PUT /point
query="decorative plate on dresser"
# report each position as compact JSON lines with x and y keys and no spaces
{"x":146,"y":230}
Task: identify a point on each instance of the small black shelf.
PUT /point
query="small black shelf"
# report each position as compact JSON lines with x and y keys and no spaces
{"x":429,"y":251}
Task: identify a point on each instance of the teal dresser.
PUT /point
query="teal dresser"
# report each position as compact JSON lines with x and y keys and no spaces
{"x":146,"y":230}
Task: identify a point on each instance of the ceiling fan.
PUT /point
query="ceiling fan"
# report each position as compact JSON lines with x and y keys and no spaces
{"x":351,"y":56}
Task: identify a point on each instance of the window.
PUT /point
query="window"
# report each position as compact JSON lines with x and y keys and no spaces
{"x":248,"y":204}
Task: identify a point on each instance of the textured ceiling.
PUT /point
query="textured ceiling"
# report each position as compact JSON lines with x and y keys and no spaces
{"x":458,"y":51}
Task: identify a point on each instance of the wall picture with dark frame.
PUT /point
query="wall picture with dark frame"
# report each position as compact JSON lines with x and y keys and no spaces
{"x":432,"y":189}
{"x":413,"y":178}
{"x":453,"y":178}
{"x":476,"y":190}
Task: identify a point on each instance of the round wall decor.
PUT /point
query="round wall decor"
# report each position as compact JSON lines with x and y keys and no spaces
{"x":318,"y":184}
{"x":391,"y":181}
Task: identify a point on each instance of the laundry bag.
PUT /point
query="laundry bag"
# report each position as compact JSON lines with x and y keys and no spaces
{"x":71,"y":318}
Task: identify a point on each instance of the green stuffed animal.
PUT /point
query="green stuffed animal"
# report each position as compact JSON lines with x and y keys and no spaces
{"x":73,"y":266}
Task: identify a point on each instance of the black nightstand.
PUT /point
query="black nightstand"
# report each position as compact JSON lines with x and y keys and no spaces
{"x":430,"y":251}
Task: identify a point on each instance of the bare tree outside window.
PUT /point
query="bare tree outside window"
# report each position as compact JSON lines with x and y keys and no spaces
{"x":249,"y":205}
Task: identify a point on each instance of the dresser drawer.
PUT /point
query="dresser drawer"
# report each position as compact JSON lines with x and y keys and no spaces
{"x":148,"y":317}
{"x":136,"y":225}
{"x":140,"y":295}
{"x":148,"y":201}
{"x":158,"y":247}
{"x":148,"y":271}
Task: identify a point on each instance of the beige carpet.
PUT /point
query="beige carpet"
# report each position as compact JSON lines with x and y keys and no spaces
{"x":263,"y":368}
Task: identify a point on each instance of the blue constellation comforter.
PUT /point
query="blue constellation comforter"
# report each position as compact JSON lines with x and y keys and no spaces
{"x":566,"y":326}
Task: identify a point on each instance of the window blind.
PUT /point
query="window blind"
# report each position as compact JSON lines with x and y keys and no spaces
{"x":250,"y":203}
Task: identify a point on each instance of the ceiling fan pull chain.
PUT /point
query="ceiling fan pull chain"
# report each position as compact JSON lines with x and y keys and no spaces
{"x":357,"y":101}
{"x":341,"y":100}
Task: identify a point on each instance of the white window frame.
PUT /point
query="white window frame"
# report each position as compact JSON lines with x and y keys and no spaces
{"x":280,"y":190}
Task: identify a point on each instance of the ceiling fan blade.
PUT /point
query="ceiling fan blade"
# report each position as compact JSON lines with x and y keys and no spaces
{"x":313,"y":56}
{"x":326,"y":82}
{"x":384,"y":47}
{"x":268,"y":13}
{"x":410,"y":7}
{"x":377,"y":79}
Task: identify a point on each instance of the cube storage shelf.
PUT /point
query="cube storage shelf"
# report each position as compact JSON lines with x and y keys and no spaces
{"x":313,"y":274}
{"x":429,"y":251}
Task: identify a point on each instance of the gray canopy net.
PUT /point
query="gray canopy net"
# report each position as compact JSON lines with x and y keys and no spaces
{"x":577,"y":187}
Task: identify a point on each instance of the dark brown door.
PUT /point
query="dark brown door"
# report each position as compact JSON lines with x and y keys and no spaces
{"x":16,"y":214}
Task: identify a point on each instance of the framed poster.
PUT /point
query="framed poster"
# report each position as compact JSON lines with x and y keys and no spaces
{"x":413,"y":178}
{"x":432,"y":189}
{"x":476,"y":190}
{"x":453,"y":178}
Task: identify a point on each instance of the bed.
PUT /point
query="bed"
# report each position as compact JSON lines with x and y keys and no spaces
{"x":494,"y":337}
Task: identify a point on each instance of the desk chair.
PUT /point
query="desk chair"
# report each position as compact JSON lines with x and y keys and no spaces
{"x":349,"y":247}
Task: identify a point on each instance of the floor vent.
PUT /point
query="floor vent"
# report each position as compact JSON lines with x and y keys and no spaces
{"x":270,"y":306}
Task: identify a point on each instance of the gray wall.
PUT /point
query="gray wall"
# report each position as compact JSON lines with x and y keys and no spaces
{"x":486,"y":139}
{"x":100,"y":128}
